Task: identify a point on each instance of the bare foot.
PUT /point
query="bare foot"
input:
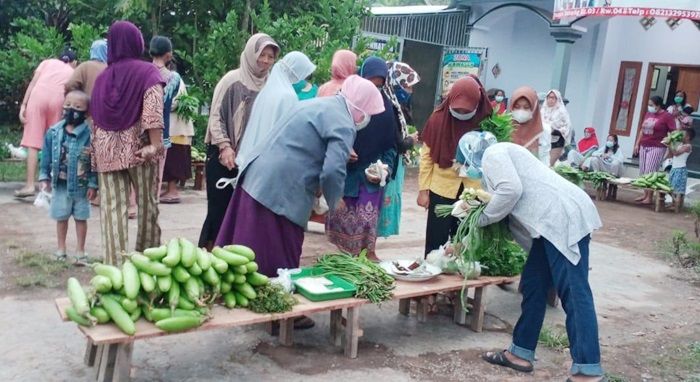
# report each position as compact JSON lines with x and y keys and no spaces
{"x":371,"y":256}
{"x":639,"y":199}
{"x":645,"y":201}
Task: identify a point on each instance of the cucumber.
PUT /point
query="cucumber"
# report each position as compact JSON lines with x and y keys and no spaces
{"x":211,"y":277}
{"x":100,"y":314}
{"x":194,"y":270}
{"x":230,"y":300}
{"x":173,"y":256}
{"x":240,"y":269}
{"x":241,"y":250}
{"x":203,"y":259}
{"x":225,"y":287}
{"x":184,"y":303}
{"x":77,"y":297}
{"x":156,"y":253}
{"x":148,"y":283}
{"x":174,"y":295}
{"x":192,"y":289}
{"x":257,"y":279}
{"x":153,"y":268}
{"x":77,"y":318}
{"x":162,"y":313}
{"x":129,"y":305}
{"x":164,"y":283}
{"x":180,"y":274}
{"x":188,"y":254}
{"x":102,"y":284}
{"x":241,"y":300}
{"x":228,"y":257}
{"x":118,"y":315}
{"x":178,"y":324}
{"x":252,"y":267}
{"x":113,"y":273}
{"x":219,"y":265}
{"x":135,"y":315}
{"x":239,"y":279}
{"x":229,"y":277}
{"x":132,"y":284}
{"x":246,"y":290}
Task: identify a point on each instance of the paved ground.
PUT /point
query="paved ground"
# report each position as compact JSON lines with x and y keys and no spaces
{"x":648,"y":314}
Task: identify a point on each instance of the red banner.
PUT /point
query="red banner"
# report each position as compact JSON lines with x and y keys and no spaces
{"x":679,"y":9}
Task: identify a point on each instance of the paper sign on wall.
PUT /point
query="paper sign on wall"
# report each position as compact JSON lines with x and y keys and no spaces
{"x":457,"y":63}
{"x":679,"y":9}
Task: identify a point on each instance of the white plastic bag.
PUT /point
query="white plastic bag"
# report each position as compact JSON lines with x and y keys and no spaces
{"x":284,"y":278}
{"x":320,"y":206}
{"x":223,"y":182}
{"x":43,"y":200}
{"x":378,"y":170}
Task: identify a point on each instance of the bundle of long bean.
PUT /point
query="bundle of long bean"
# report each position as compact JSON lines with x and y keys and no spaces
{"x":372,"y":282}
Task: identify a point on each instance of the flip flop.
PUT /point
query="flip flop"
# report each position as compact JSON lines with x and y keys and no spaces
{"x":24,"y":193}
{"x":303,"y":323}
{"x":172,"y":200}
{"x":60,"y":256}
{"x":500,"y":359}
{"x":604,"y":379}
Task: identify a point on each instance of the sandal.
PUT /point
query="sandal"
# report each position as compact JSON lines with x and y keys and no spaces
{"x":500,"y":359}
{"x":303,"y":323}
{"x":170,"y":200}
{"x":60,"y":255}
{"x":82,"y":260}
{"x":602,"y":379}
{"x":24,"y":193}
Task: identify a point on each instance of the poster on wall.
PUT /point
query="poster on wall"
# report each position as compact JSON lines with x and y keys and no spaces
{"x":457,"y":63}
{"x":679,"y":9}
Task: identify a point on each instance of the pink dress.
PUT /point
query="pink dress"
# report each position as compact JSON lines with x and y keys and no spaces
{"x":45,"y":103}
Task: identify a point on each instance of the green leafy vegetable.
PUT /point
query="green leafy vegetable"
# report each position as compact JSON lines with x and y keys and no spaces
{"x":187,"y":107}
{"x":272,"y":298}
{"x":500,"y":125}
{"x":571,"y":174}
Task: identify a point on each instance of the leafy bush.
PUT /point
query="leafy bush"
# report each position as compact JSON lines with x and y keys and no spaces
{"x":82,"y":36}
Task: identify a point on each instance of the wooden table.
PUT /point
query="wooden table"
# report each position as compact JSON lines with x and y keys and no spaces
{"x":109,"y":350}
{"x":658,"y":196}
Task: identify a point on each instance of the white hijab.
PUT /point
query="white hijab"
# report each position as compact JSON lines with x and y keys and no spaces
{"x":273,"y":102}
{"x":557,"y":117}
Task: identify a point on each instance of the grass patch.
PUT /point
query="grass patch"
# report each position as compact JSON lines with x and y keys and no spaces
{"x":681,"y":362}
{"x":682,"y":250}
{"x":615,"y":378}
{"x":12,"y":171}
{"x":41,"y":270}
{"x":553,"y":338}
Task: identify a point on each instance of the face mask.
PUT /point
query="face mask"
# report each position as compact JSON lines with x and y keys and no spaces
{"x":678,"y":100}
{"x":463,"y":117}
{"x":651,"y":109}
{"x":299,"y":86}
{"x":402,"y":95}
{"x":365,"y":119}
{"x":73,"y":117}
{"x":610,"y":144}
{"x":499,"y":99}
{"x":522,"y":115}
{"x":473,"y":172}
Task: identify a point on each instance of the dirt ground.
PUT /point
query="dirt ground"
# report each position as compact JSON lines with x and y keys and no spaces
{"x":648,"y":311}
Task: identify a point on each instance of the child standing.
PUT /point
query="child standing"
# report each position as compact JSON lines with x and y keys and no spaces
{"x":66,"y":172}
{"x":679,"y":171}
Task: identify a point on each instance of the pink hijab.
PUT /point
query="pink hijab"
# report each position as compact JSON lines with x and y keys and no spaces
{"x":362,"y":96}
{"x":344,"y":65}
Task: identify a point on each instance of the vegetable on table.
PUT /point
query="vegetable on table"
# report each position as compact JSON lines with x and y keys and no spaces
{"x":372,"y":281}
{"x":271,"y":298}
{"x":655,"y":180}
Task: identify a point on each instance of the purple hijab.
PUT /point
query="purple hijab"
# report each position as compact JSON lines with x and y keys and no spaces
{"x":117,"y":98}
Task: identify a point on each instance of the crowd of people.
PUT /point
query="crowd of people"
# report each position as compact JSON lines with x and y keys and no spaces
{"x":279,"y":146}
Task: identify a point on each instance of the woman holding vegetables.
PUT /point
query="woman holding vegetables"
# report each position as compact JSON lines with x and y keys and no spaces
{"x":465,"y":106}
{"x":558,"y":253}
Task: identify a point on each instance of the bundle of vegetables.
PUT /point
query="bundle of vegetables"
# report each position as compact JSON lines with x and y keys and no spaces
{"x":571,"y":174}
{"x":173,"y":286}
{"x":598,"y":178}
{"x":674,"y":138}
{"x":197,"y":156}
{"x":655,"y":180}
{"x":372,"y":282}
{"x":500,"y":125}
{"x":187,"y":107}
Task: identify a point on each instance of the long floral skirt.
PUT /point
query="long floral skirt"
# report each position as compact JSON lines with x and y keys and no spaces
{"x":355,"y":228}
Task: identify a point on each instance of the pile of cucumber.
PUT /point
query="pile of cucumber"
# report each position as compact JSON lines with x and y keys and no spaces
{"x":172,"y":286}
{"x":655,"y":180}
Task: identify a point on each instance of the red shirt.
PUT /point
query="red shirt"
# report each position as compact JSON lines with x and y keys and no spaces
{"x":655,"y":128}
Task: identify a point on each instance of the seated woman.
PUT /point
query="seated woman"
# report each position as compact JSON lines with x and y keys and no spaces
{"x":586,"y":147}
{"x":607,"y":159}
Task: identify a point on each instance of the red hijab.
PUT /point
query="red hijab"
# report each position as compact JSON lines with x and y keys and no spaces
{"x":586,"y":144}
{"x":443,"y":131}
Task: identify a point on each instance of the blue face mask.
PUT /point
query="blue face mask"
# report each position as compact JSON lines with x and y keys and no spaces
{"x":402,"y":95}
{"x":473,"y":172}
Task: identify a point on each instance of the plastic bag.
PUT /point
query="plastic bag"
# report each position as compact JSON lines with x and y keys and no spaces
{"x":284,"y":278}
{"x":378,"y":170}
{"x":223,"y":182}
{"x":320,"y":206}
{"x":43,"y":200}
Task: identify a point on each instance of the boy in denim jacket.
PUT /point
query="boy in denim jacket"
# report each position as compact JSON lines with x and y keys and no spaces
{"x":66,"y":169}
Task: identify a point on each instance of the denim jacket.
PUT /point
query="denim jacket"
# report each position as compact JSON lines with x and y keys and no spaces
{"x":78,"y":155}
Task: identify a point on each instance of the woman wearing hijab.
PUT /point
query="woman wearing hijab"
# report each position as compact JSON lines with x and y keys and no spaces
{"x":353,"y":228}
{"x":529,"y":131}
{"x":463,"y":109}
{"x":127,"y":140}
{"x":275,"y":100}
{"x":556,"y":117}
{"x":585,"y":148}
{"x":276,"y":190}
{"x":84,"y":76}
{"x":229,"y":111}
{"x":558,"y":253}
{"x":344,"y":64}
{"x":499,"y":101}
{"x":398,"y":88}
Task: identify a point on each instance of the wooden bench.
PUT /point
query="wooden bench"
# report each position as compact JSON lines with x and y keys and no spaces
{"x":658,"y":196}
{"x":109,"y":350}
{"x":198,"y":169}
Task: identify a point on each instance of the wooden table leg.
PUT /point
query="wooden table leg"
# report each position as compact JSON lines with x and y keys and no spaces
{"x":352,"y":332}
{"x":422,"y":309}
{"x":405,"y":306}
{"x":336,"y":327}
{"x":90,"y":353}
{"x":477,"y":322}
{"x":286,"y":337}
{"x":114,"y":362}
{"x":460,"y":305}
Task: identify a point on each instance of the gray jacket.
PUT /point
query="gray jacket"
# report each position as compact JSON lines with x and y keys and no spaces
{"x":309,"y":152}
{"x":538,"y":201}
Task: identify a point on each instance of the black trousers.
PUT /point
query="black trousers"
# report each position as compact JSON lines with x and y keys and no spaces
{"x":438,"y":229}
{"x":217,"y":200}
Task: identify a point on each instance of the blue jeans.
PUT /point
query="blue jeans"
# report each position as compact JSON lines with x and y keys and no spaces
{"x":547,"y":267}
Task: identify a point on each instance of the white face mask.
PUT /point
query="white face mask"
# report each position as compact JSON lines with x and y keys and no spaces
{"x":362,"y":124}
{"x":463,"y":117}
{"x":652,"y":109}
{"x":499,"y":99}
{"x":522,"y":115}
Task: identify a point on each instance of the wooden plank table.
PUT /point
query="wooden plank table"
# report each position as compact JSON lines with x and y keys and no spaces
{"x":109,"y":350}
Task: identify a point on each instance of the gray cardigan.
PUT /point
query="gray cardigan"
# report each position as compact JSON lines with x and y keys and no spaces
{"x":309,"y":153}
{"x":538,"y":201}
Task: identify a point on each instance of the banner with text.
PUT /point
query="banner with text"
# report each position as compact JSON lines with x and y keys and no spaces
{"x":679,"y":9}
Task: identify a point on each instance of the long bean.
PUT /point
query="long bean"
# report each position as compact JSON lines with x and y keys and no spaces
{"x":372,"y":282}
